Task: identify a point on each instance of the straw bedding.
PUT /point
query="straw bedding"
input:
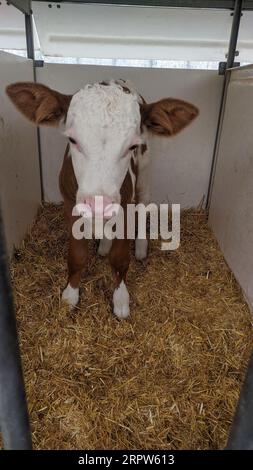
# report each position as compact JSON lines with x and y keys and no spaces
{"x":167,"y":378}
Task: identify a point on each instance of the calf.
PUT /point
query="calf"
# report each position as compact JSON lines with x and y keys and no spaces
{"x":107,"y":125}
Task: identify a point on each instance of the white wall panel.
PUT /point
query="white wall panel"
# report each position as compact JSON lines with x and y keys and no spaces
{"x":19,"y":169}
{"x":106,"y":31}
{"x":12,"y":28}
{"x":231,"y":213}
{"x":180,"y":165}
{"x":245,"y":38}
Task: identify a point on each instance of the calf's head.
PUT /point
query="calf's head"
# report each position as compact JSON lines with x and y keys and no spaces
{"x":104,"y":124}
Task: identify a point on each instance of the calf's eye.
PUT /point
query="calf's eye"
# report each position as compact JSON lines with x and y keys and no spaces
{"x":72,"y":140}
{"x":133,"y":147}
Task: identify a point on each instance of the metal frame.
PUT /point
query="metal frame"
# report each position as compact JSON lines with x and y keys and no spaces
{"x":229,"y":65}
{"x":236,"y":5}
{"x":241,"y":434}
{"x":23,"y":5}
{"x":214,"y":4}
{"x":14,"y":422}
{"x":31,"y":55}
{"x":29,"y":36}
{"x":13,"y":409}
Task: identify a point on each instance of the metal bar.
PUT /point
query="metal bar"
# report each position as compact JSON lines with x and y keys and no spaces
{"x":234,"y":33}
{"x":217,"y":138}
{"x":14,"y":421}
{"x":22,"y":5}
{"x":213,"y":4}
{"x":31,"y":55}
{"x":230,"y":62}
{"x":241,"y":434}
{"x":42,"y":196}
{"x":29,"y":36}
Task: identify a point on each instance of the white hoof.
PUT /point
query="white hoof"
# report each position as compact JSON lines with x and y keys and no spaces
{"x":121,"y":301}
{"x":141,"y":249}
{"x":71,"y":295}
{"x":104,"y":247}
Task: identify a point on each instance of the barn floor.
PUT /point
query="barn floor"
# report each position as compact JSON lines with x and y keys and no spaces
{"x":167,"y":378}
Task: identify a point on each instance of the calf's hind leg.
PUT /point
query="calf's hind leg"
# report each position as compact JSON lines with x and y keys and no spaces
{"x":143,"y":197}
{"x":119,"y":259}
{"x":104,"y":246}
{"x":77,"y":260}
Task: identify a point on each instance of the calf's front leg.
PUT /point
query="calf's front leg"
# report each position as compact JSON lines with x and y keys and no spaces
{"x":119,"y":257}
{"x":77,"y":260}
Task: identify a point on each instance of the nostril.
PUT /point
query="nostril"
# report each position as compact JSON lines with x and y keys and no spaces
{"x":89,"y":200}
{"x":98,"y":203}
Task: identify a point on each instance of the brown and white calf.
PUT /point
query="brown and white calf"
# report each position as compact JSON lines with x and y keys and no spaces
{"x":107,"y":125}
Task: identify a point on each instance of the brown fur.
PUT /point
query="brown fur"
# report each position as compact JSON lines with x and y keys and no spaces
{"x":143,"y":148}
{"x":168,"y":116}
{"x":78,"y":249}
{"x":77,"y":259}
{"x":67,"y":180}
{"x":124,"y":87}
{"x":39,"y":103}
{"x":119,"y":258}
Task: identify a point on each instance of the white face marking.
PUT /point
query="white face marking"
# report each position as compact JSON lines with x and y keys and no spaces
{"x":133,"y":179}
{"x":121,"y":301}
{"x":71,"y":295}
{"x":105,"y":123}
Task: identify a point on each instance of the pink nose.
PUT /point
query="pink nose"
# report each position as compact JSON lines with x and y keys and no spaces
{"x":100,"y":205}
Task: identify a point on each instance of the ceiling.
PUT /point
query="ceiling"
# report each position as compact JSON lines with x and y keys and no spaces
{"x":132,"y":32}
{"x":214,"y":4}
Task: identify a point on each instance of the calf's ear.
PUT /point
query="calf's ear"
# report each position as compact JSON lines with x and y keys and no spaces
{"x":39,"y":103}
{"x":168,"y":116}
